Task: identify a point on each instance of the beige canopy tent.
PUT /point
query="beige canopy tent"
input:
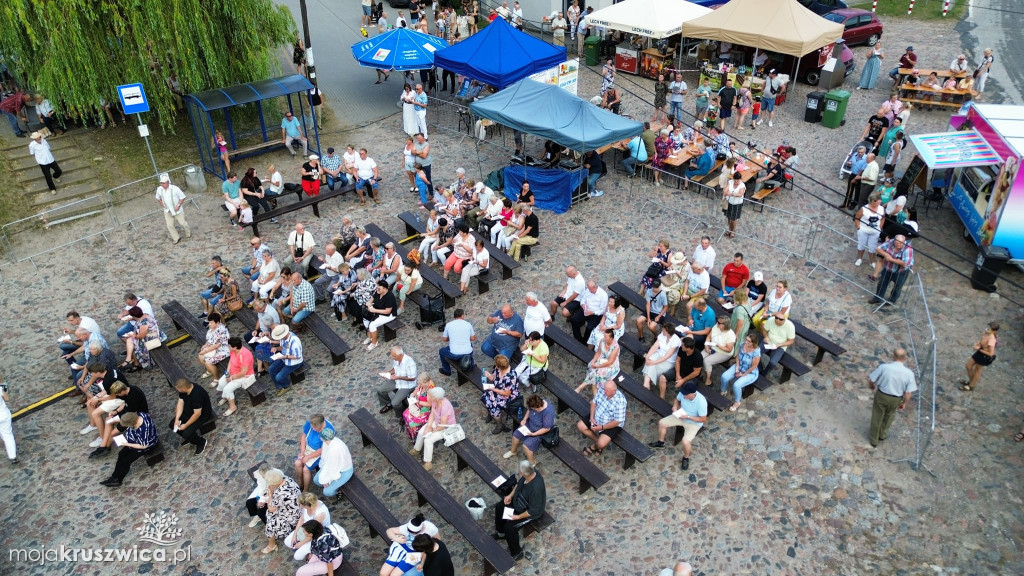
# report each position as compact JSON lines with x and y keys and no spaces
{"x":782,"y":26}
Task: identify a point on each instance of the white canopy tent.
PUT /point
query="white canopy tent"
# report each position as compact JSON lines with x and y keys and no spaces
{"x":652,"y":18}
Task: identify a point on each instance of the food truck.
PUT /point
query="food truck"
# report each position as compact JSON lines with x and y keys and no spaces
{"x":980,"y":157}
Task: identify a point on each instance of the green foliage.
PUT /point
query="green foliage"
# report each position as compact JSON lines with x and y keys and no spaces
{"x":77,"y":51}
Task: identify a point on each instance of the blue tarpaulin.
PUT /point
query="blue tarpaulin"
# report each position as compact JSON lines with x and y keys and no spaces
{"x":554,"y":114}
{"x":552,"y":189}
{"x":499,"y":55}
{"x":400,"y":49}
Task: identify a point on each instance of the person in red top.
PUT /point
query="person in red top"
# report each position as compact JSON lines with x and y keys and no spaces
{"x":239,"y":375}
{"x":735,"y":274}
{"x":14,"y":108}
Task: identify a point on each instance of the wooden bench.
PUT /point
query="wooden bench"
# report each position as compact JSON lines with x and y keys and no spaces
{"x":239,"y":153}
{"x":377,"y":516}
{"x":155,"y":455}
{"x":589,"y":474}
{"x":430,"y":276}
{"x":761,"y":195}
{"x":313,"y":201}
{"x":390,"y":330}
{"x":469,"y":455}
{"x":508,"y":265}
{"x":337,"y":346}
{"x":168,"y":365}
{"x":922,"y":102}
{"x":822,"y":344}
{"x":428,"y":490}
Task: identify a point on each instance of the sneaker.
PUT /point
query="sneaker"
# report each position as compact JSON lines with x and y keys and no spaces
{"x":658,"y":444}
{"x":254,"y":522}
{"x":759,"y":121}
{"x":273,"y":221}
{"x":599,"y":193}
{"x":111,"y":482}
{"x":87,"y":429}
{"x":96,"y":443}
{"x":858,"y":262}
{"x":202,"y":447}
{"x":282,"y":391}
{"x":201,"y":316}
{"x":686,"y":463}
{"x":99,"y":452}
{"x":13,"y":461}
{"x":769,"y":123}
{"x":507,"y":455}
{"x":591,"y":195}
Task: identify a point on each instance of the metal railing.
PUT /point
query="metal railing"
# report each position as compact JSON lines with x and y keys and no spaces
{"x":22,"y":239}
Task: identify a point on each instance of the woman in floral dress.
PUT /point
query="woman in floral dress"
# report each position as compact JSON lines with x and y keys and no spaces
{"x":145,"y":329}
{"x":346,"y":284}
{"x":659,"y":254}
{"x":216,"y":347}
{"x":506,"y":389}
{"x":282,"y":507}
{"x":660,"y":99}
{"x":614,"y":319}
{"x":418,"y":412}
{"x":605,"y":364}
{"x":361,"y":296}
{"x":662,"y":150}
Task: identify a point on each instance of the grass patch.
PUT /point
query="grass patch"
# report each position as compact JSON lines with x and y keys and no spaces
{"x":12,"y":202}
{"x":923,"y":9}
{"x":123,"y":151}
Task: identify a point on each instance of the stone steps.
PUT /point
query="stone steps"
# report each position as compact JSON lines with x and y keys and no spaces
{"x":15,"y":147}
{"x":67,"y":179}
{"x":66,"y":194}
{"x":31,"y":172}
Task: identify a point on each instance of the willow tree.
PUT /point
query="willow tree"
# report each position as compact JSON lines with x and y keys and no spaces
{"x":77,"y":51}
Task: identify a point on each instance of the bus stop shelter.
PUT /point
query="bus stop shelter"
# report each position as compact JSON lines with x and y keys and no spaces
{"x":243,"y":142}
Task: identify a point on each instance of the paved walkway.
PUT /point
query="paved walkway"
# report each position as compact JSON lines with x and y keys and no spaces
{"x":784,"y":486}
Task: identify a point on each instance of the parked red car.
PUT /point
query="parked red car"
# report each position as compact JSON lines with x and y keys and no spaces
{"x":859,"y":26}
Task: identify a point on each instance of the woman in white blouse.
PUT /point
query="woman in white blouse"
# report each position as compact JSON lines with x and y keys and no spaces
{"x":310,"y":508}
{"x":480,"y":261}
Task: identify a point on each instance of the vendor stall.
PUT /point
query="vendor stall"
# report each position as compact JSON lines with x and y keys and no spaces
{"x":644,"y":19}
{"x":549,"y":112}
{"x":499,"y":55}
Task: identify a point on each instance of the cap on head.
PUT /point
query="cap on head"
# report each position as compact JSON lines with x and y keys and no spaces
{"x":330,"y":150}
{"x":689,"y":388}
{"x":314,"y":157}
{"x":758,"y":276}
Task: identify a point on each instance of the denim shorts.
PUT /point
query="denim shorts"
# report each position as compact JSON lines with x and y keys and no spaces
{"x":366,"y":10}
{"x":767,"y":104}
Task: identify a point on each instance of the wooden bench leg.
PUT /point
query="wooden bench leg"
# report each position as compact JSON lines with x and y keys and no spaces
{"x":389,"y":333}
{"x":562,"y":407}
{"x":819,"y":356}
{"x":460,"y":378}
{"x":680,"y":431}
{"x":460,"y":464}
{"x":489,"y":568}
{"x":584,"y":485}
{"x":337,"y":358}
{"x":629,"y":460}
{"x":366,"y":440}
{"x":409,"y":230}
{"x":258,"y":399}
{"x":448,"y":301}
{"x":316,"y":209}
{"x":483,"y":287}
{"x":786,"y":374}
{"x":421,"y":499}
{"x":255,"y":229}
{"x":506,"y":273}
{"x":373,"y":533}
{"x":638,"y":362}
{"x":177,"y":325}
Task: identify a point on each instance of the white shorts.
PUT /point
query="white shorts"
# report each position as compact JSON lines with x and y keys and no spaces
{"x":867,"y":240}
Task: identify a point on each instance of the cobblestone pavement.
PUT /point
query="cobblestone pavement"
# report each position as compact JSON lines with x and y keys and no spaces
{"x":785,"y":486}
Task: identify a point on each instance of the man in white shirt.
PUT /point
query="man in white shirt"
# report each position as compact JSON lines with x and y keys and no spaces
{"x":131,"y":300}
{"x":959,"y":65}
{"x":70,"y":346}
{"x":40,"y":148}
{"x":367,"y":175}
{"x":536,"y":318}
{"x":593,"y":304}
{"x":332,"y":260}
{"x":171,"y":199}
{"x":558,"y":28}
{"x":705,"y":254}
{"x":568,"y":300}
{"x":300,"y":246}
{"x":401,"y":380}
{"x":696,"y":286}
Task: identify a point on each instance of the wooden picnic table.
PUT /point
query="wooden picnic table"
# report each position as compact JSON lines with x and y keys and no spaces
{"x":927,"y":72}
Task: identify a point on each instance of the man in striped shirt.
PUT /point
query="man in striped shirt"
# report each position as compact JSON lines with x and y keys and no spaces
{"x":607,"y":416}
{"x":140,"y":438}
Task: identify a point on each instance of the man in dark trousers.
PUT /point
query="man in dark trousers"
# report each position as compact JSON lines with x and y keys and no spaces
{"x":524,"y":505}
{"x":192,"y":411}
{"x":726,"y":101}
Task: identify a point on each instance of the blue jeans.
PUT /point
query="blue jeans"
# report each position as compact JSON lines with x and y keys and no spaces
{"x":14,"y":122}
{"x":770,"y":359}
{"x":629,"y":163}
{"x":280,"y":372}
{"x":489,"y":349}
{"x":332,"y":488}
{"x":412,"y":572}
{"x":592,"y":182}
{"x":124,"y":331}
{"x":252,"y":275}
{"x":676,"y":110}
{"x":297,"y":316}
{"x":362,"y":183}
{"x":210,"y":297}
{"x":340,"y":179}
{"x":737,"y":386}
{"x":446,"y":355}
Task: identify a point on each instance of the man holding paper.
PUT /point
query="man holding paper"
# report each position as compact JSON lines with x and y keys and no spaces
{"x":138,"y":439}
{"x":690,"y":410}
{"x":607,"y":415}
{"x":332,"y":260}
{"x":121,"y":400}
{"x":525,"y":504}
{"x":192,"y":411}
{"x":778,"y":335}
{"x":401,"y":381}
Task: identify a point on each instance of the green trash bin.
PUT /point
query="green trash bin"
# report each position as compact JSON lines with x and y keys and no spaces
{"x":591,"y":47}
{"x":835,"y":108}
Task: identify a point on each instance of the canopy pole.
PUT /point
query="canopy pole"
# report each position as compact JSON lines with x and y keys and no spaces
{"x":753,"y":66}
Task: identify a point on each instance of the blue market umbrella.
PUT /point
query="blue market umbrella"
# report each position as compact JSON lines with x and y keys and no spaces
{"x":400,"y":49}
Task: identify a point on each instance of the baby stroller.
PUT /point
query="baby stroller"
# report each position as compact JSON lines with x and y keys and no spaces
{"x":432,"y":313}
{"x":844,"y":168}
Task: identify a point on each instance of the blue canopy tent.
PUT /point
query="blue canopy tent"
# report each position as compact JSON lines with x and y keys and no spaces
{"x":499,"y":55}
{"x":400,"y":49}
{"x":201,"y":106}
{"x":547,"y":111}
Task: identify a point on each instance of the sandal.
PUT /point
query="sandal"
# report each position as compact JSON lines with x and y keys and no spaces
{"x":966,"y":387}
{"x":734,"y":407}
{"x":592,"y":451}
{"x":268,"y":549}
{"x":1019,"y":437}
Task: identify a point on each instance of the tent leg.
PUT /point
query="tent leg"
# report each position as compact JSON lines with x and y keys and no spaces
{"x":263,"y":120}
